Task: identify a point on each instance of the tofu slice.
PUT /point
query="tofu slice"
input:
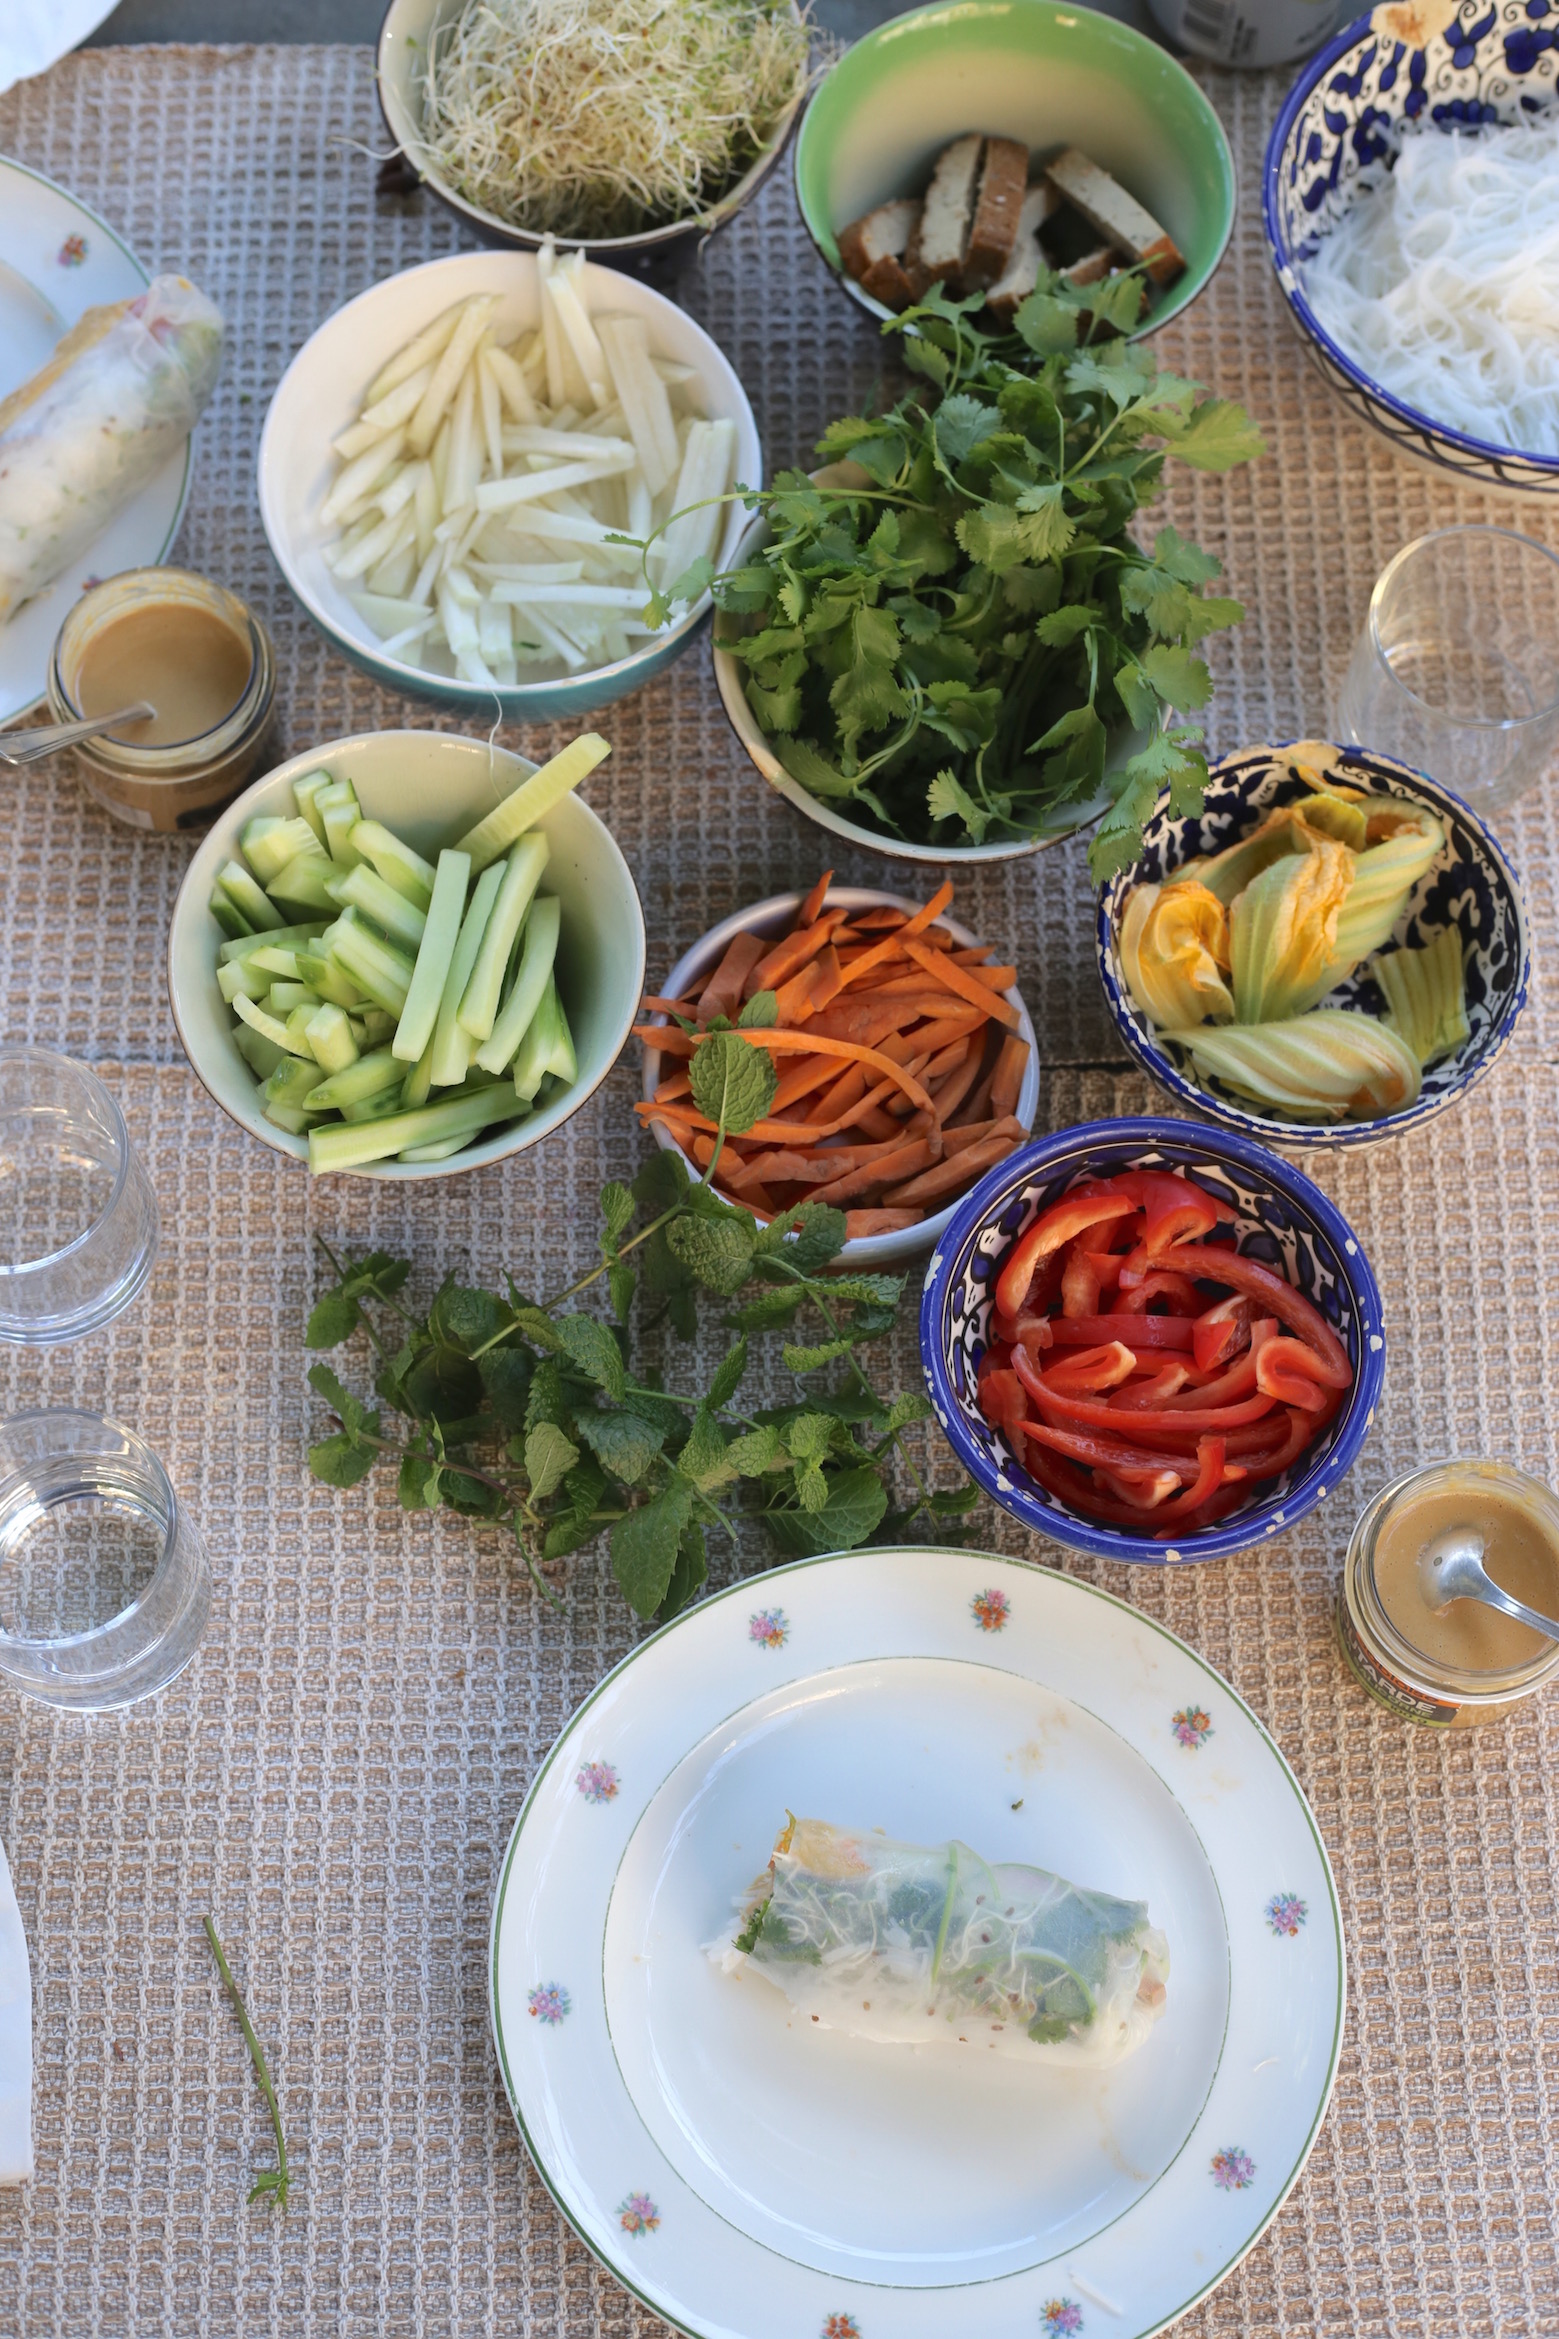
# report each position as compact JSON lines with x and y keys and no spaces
{"x":1018,"y":279}
{"x":1105,"y":204}
{"x":936,"y":250}
{"x":873,"y":248}
{"x":998,"y":207}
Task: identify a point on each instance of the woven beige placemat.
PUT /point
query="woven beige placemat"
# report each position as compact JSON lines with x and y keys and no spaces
{"x":336,"y":1775}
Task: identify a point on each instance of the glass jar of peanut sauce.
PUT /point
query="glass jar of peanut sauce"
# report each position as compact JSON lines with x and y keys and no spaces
{"x":1451,"y":1667}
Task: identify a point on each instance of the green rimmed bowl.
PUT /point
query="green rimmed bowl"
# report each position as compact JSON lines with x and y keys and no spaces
{"x":1031,"y":69}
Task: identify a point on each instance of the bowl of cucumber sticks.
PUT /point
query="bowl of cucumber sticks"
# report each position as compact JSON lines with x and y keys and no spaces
{"x":407,"y":954}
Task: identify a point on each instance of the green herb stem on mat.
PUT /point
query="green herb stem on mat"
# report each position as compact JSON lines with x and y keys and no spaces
{"x":535,"y":1417}
{"x":957,"y":648}
{"x":271,"y":2182}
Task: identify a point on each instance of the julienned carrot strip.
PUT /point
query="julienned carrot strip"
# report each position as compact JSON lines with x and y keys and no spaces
{"x":845,"y":1089}
{"x":790,"y":954}
{"x":865,"y":1222}
{"x":666,"y":1037}
{"x":1007,"y":1078}
{"x":954,"y":1172}
{"x":802,"y":1079}
{"x":650,"y":1005}
{"x":778,"y":1132}
{"x":911,"y":927}
{"x":952,"y":1058}
{"x":959,"y":1140}
{"x":813,"y":988}
{"x":940,"y":966}
{"x":722,"y":994}
{"x":891,"y":1164}
{"x":812,"y":908}
{"x":786,"y":1042}
{"x":976,"y":1105}
{"x":670,"y":1089}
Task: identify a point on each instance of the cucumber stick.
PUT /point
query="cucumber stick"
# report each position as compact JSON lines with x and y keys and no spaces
{"x":228,"y":916}
{"x":533,"y":799}
{"x":347,"y":1145}
{"x":281,"y":937}
{"x":451,"y":1044}
{"x":329,"y":1033}
{"x":305,"y":882}
{"x":548,"y":1046}
{"x":246,"y":897}
{"x":537,"y":952}
{"x":364,"y":889}
{"x":260,"y":1054}
{"x":418,"y":1080}
{"x":435,"y":955}
{"x":270,"y":843}
{"x":369,"y":1076}
{"x":268,"y":1027}
{"x":291,"y":1081}
{"x":381,"y":971}
{"x":521,"y":876}
{"x":396,"y":863}
{"x":304,"y":795}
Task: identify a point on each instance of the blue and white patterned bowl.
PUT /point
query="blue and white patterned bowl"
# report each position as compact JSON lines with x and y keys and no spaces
{"x":1282,"y":1220}
{"x":1471,"y":886}
{"x":1480,"y":61}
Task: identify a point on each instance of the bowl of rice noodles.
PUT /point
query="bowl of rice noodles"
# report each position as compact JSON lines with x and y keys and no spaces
{"x":617,"y":127}
{"x":1411,"y":203}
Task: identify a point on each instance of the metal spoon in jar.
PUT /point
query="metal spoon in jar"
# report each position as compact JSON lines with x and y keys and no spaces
{"x":18,"y":747}
{"x":1452,"y":1569}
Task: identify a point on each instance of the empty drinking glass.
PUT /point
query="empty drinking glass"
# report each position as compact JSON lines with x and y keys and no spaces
{"x":1457,"y":670}
{"x":104,"y":1582}
{"x":78,"y":1218}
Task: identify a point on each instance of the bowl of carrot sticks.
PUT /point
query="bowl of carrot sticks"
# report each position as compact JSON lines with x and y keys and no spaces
{"x":907,"y":1064}
{"x":1152,"y":1341}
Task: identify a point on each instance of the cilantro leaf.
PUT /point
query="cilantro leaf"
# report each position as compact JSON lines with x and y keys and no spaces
{"x":1216,"y":435}
{"x":947,"y":799}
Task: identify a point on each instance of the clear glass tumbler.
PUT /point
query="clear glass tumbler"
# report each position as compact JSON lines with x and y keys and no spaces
{"x":78,"y":1218}
{"x":104,"y":1581}
{"x":1457,"y":670}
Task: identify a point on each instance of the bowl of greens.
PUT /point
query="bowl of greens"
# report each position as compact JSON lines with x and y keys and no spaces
{"x":407,"y":954}
{"x":949,"y":644}
{"x":618,"y":127}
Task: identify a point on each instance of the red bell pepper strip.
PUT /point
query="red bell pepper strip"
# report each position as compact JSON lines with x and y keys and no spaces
{"x":1088,"y":1446}
{"x":1220,"y":1330}
{"x":1278,"y":1297}
{"x":1000,"y":1395}
{"x":1293,"y":1373}
{"x":1180,"y":1424}
{"x":1303,"y":1430}
{"x":1175,"y":1209}
{"x":1223,"y":1388}
{"x":1144,"y":1490}
{"x":1218,"y":1506}
{"x":1156,"y":1390}
{"x":1083,"y":1369}
{"x":1079,"y":1284}
{"x":1138,"y":1332}
{"x":1026,"y":1331}
{"x":1140,"y":1286}
{"x":1086,"y":1205}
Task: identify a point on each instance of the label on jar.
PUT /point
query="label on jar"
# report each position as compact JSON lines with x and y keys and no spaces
{"x":1410,"y":1705}
{"x":1248,"y":32}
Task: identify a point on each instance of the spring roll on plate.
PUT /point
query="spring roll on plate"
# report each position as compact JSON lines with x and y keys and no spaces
{"x":121,"y":393}
{"x":916,"y":1946}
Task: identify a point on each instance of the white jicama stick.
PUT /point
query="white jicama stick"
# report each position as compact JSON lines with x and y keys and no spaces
{"x":435,"y":955}
{"x":705,"y":474}
{"x":532,"y":439}
{"x":573,"y":596}
{"x":361,"y":475}
{"x":515,"y":389}
{"x":645,"y":405}
{"x":465,"y":459}
{"x":402,"y":402}
{"x":551,"y":331}
{"x":491,"y":403}
{"x":452,"y":1045}
{"x":494,"y":631}
{"x":355,"y":440}
{"x":400,"y":528}
{"x":428,"y":346}
{"x":567,"y":290}
{"x":450,"y":369}
{"x":501,"y":495}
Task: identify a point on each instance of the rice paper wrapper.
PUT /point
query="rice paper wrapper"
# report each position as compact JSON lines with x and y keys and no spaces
{"x":119,"y":397}
{"x":916,"y":1945}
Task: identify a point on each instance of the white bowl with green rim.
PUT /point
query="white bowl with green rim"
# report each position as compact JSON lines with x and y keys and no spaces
{"x":1051,"y":75}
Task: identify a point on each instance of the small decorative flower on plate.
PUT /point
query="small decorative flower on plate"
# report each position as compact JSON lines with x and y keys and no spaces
{"x":990,"y":1610}
{"x":72,"y":252}
{"x":1233,"y":2170}
{"x":769,"y":1628}
{"x":1191,"y":1726}
{"x":597,"y":1782}
{"x":841,"y":2327}
{"x":549,"y":2002}
{"x":638,"y":2214}
{"x":1286,"y":1912}
{"x":1061,"y":2318}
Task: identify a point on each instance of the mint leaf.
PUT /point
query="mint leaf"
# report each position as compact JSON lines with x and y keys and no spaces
{"x":419,"y":1486}
{"x":333,"y":1318}
{"x":760,"y":1451}
{"x":855,"y":1504}
{"x":703,"y":1457}
{"x":645,"y":1546}
{"x":591,"y":1348}
{"x":549,"y":1457}
{"x":617,"y":1208}
{"x":733,"y":1082}
{"x":761,"y":1013}
{"x":341,"y":1461}
{"x":799,"y":1359}
{"x":688,"y":1576}
{"x":718,"y":1252}
{"x":623,"y":1443}
{"x":728,"y":1375}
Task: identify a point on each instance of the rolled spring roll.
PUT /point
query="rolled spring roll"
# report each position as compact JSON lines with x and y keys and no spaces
{"x":914,"y":1946}
{"x":121,"y":393}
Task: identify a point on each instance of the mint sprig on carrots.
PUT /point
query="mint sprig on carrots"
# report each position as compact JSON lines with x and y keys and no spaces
{"x":534,"y":1415}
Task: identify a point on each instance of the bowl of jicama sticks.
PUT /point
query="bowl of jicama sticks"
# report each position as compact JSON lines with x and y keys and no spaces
{"x":447,"y":462}
{"x":1330,"y":952}
{"x":1411,"y":202}
{"x":1152,"y":1341}
{"x":907,"y":1062}
{"x":407,"y":954}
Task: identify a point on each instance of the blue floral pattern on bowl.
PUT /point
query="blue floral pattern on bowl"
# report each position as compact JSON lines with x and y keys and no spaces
{"x":1471,"y":886}
{"x":1346,"y":113}
{"x":1284,"y":1221}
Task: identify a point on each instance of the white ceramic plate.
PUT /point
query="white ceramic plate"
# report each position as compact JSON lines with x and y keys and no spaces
{"x":58,"y":259}
{"x":751,"y":2177}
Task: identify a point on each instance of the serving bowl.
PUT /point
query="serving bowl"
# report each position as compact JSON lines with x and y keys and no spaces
{"x":775,"y":917}
{"x":1047,"y":73}
{"x":1471,"y":886}
{"x":429,"y":787}
{"x":1282,"y":1219}
{"x":320,"y":393}
{"x":409,"y":26}
{"x":1347,"y":112}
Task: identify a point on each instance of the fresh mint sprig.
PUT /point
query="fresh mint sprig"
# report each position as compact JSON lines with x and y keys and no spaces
{"x":271,"y":2183}
{"x":534,"y":1416}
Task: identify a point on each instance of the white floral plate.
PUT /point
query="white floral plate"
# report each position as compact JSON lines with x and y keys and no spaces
{"x":58,"y":259}
{"x":751,"y":2177}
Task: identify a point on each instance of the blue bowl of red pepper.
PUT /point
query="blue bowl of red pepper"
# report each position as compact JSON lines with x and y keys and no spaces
{"x":1233,"y":1202}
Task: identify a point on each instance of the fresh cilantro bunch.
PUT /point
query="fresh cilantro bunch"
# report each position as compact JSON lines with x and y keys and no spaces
{"x":534,"y":1415}
{"x":953,"y":647}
